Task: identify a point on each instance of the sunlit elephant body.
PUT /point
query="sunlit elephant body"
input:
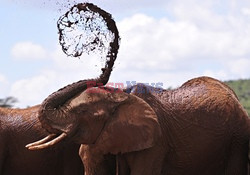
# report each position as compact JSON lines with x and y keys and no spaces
{"x":21,"y":126}
{"x":205,"y":129}
{"x":199,"y":128}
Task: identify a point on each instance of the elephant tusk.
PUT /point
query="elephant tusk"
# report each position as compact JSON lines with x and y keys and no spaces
{"x":49,"y":137}
{"x":35,"y":146}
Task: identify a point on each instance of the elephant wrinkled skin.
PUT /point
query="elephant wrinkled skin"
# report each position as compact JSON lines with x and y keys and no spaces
{"x":199,"y":128}
{"x":19,"y":127}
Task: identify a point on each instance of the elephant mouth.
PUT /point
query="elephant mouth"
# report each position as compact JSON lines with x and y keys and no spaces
{"x":47,"y":141}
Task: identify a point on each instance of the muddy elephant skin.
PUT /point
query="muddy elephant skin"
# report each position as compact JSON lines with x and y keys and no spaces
{"x":205,"y":129}
{"x":198,"y":128}
{"x":21,"y":126}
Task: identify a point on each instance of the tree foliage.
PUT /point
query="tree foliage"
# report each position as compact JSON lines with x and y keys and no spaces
{"x":8,"y":102}
{"x":242,"y":89}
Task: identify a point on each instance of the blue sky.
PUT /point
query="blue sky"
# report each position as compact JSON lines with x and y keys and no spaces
{"x":161,"y":41}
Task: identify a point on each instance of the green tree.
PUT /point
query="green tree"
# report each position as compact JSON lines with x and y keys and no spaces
{"x":242,"y":90}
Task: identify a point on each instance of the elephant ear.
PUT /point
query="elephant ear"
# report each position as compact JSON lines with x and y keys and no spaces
{"x":134,"y":126}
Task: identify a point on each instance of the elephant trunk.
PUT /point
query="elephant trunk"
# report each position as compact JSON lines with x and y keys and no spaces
{"x":51,"y":107}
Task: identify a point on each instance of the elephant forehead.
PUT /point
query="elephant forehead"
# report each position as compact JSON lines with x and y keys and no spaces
{"x":87,"y":97}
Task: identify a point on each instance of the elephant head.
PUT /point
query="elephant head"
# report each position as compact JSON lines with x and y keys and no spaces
{"x":113,"y":121}
{"x":54,"y":109}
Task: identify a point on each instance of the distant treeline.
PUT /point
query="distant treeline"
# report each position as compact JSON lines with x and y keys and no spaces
{"x":242,"y":89}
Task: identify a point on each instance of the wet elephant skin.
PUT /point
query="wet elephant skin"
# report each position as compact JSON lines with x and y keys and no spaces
{"x":21,"y":126}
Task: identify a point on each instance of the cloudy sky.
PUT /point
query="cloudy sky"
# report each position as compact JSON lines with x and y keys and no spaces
{"x":167,"y":41}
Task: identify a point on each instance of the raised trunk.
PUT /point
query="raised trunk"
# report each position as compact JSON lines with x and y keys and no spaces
{"x":50,"y":108}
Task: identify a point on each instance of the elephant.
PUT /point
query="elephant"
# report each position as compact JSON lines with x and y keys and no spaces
{"x":198,"y":128}
{"x":21,"y":126}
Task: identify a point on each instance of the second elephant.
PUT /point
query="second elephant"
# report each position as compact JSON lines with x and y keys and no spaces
{"x":199,"y":128}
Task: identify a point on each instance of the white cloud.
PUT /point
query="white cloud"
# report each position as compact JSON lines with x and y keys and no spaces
{"x":32,"y":90}
{"x":194,"y":40}
{"x":163,"y":46}
{"x":221,"y":74}
{"x":152,"y":51}
{"x":240,"y":67}
{"x":2,"y":79}
{"x":196,"y":12}
{"x":246,"y":11}
{"x":62,"y":71}
{"x":28,"y":51}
